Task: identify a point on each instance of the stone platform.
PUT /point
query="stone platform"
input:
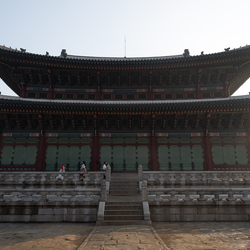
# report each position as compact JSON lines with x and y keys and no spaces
{"x":176,"y":236}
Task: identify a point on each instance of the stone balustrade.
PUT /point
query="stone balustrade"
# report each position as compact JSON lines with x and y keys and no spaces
{"x":51,"y":196}
{"x":195,"y":178}
{"x":196,"y":195}
{"x":173,"y":195}
{"x":46,"y":187}
{"x":46,"y":178}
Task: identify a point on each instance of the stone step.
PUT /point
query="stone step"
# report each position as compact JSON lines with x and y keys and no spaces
{"x":123,"y":217}
{"x":122,"y":208}
{"x":123,"y":212}
{"x":122,"y":222}
{"x":123,"y":203}
{"x":124,"y":186}
{"x":123,"y":199}
{"x":123,"y":194}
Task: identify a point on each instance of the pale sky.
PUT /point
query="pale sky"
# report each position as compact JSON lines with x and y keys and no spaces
{"x":98,"y":27}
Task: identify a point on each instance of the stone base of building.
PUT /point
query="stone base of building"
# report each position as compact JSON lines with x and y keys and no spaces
{"x":200,"y":213}
{"x":53,"y":212}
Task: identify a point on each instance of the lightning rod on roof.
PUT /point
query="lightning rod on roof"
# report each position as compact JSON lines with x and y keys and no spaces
{"x":124,"y":46}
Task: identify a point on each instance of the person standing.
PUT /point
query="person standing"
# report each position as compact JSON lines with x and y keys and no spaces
{"x":60,"y":177}
{"x":83,"y":169}
{"x":105,"y":166}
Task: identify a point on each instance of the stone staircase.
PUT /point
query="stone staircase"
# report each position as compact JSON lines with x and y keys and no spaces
{"x":124,"y":203}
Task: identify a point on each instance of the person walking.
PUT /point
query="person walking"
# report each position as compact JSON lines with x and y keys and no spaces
{"x":83,"y":169}
{"x":62,"y":169}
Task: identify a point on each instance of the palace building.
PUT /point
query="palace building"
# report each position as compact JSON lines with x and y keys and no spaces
{"x":164,"y":113}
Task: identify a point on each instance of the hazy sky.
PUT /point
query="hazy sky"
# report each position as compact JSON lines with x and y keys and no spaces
{"x":98,"y":27}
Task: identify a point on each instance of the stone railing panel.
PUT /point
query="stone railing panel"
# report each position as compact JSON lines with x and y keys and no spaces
{"x":161,"y":195}
{"x":210,"y":178}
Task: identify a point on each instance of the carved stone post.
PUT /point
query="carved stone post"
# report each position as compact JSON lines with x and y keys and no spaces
{"x":108,"y":174}
{"x":144,"y":191}
{"x":140,"y":172}
{"x":103,"y":191}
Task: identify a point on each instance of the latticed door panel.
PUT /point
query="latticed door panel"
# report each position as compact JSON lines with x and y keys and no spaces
{"x":241,"y":154}
{"x":130,"y":157}
{"x":31,"y":154}
{"x":186,"y":158}
{"x":180,"y":157}
{"x":142,"y":156}
{"x":105,"y":154}
{"x":7,"y":155}
{"x":51,"y":157}
{"x":175,"y":157}
{"x":229,"y":155}
{"x":63,"y":155}
{"x":197,"y":157}
{"x":217,"y":153}
{"x":163,"y":157}
{"x":118,"y":158}
{"x":73,"y":157}
{"x":125,"y":158}
{"x":19,"y":155}
{"x":85,"y":155}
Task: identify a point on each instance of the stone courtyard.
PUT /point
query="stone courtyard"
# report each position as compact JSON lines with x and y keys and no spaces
{"x":161,"y":235}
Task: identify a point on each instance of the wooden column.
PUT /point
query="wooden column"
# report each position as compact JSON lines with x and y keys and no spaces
{"x":1,"y":143}
{"x":248,"y":146}
{"x":226,"y":90}
{"x":153,"y":148}
{"x":207,"y":152}
{"x":41,"y":153}
{"x":95,"y":154}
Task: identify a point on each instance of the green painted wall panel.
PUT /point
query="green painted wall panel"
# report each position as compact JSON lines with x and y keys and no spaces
{"x":7,"y":154}
{"x":241,"y":154}
{"x":19,"y":155}
{"x":31,"y":155}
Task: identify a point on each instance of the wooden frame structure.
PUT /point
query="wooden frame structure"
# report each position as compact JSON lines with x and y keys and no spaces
{"x":166,"y":113}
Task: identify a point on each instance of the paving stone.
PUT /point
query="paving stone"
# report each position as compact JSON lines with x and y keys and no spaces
{"x":176,"y":236}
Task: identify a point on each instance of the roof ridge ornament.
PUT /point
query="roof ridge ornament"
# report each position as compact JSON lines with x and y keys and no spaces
{"x":64,"y":53}
{"x":186,"y":53}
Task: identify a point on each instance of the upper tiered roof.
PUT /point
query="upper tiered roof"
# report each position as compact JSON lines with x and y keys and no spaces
{"x":107,"y":78}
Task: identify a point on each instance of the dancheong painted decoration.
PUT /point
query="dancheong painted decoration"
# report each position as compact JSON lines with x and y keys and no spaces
{"x":164,"y":113}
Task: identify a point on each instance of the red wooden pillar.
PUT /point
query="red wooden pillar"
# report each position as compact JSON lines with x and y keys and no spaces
{"x":41,"y":153}
{"x":207,"y":152}
{"x":248,"y":146}
{"x":153,"y":154}
{"x":95,"y":154}
{"x":1,"y":143}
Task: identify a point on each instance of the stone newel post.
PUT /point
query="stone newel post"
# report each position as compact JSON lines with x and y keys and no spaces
{"x":144,"y":191}
{"x":103,"y":191}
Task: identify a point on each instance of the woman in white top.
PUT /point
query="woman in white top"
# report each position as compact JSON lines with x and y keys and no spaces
{"x":83,"y":169}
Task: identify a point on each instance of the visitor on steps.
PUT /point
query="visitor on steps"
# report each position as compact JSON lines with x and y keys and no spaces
{"x":104,"y":167}
{"x":83,"y":169}
{"x":60,"y":177}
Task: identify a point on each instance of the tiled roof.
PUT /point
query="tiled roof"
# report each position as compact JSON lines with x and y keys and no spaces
{"x":240,"y":102}
{"x":72,"y":59}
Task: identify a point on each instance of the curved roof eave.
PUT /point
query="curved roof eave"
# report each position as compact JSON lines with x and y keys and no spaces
{"x":123,"y":60}
{"x":229,"y":102}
